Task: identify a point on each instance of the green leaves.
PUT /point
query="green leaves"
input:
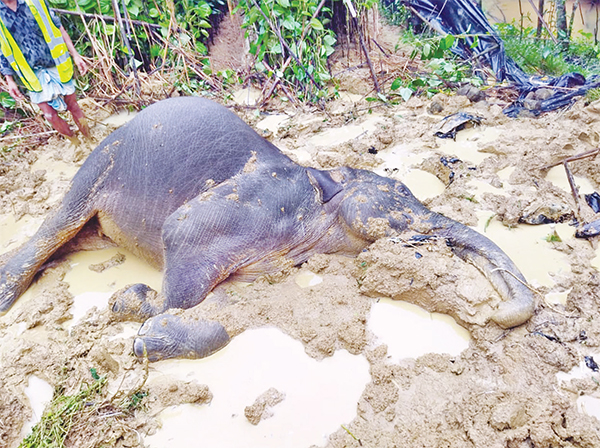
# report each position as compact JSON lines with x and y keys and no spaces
{"x":316,"y":25}
{"x":446,"y":42}
{"x":7,"y":101}
{"x":192,"y":18}
{"x":302,"y":26}
{"x":435,"y":48}
{"x":405,"y":93}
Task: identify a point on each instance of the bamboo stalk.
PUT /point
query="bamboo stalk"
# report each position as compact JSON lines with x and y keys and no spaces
{"x":352,"y":11}
{"x":125,"y":38}
{"x":541,"y":19}
{"x":572,"y":18}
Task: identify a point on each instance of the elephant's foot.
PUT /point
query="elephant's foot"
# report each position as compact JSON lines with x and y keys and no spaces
{"x":12,"y":285}
{"x":167,"y":336}
{"x":136,"y":302}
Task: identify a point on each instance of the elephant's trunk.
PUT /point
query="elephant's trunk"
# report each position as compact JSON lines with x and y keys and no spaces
{"x":518,"y":302}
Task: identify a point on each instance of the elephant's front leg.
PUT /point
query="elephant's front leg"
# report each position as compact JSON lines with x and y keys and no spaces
{"x":166,"y":336}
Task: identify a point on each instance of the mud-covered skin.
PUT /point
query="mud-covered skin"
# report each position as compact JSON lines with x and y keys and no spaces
{"x":170,"y":336}
{"x":191,"y":188}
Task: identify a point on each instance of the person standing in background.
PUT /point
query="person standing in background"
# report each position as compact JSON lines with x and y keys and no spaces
{"x":38,"y":51}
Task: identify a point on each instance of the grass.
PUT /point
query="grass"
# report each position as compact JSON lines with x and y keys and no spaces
{"x":592,"y":95}
{"x":542,"y":56}
{"x":60,"y":415}
{"x":68,"y":414}
{"x":553,"y":238}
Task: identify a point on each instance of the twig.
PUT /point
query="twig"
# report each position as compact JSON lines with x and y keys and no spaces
{"x":385,"y":53}
{"x":583,"y":155}
{"x":352,"y":435}
{"x":103,"y":17}
{"x":285,"y":90}
{"x":352,"y":11}
{"x":16,"y":137}
{"x":284,"y":44}
{"x":541,"y":18}
{"x":531,"y":288}
{"x":570,"y":178}
{"x":483,"y":53}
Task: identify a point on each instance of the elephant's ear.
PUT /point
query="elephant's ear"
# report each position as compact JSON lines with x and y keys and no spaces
{"x":325,"y":186}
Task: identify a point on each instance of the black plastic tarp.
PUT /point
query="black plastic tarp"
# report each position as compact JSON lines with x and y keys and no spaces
{"x":481,"y":42}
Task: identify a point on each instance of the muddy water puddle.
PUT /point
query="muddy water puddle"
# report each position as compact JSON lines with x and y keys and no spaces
{"x":587,"y":404}
{"x":394,"y":323}
{"x":399,"y":162}
{"x":467,"y":143}
{"x":14,"y":233}
{"x":92,"y":289}
{"x":318,"y":396}
{"x":529,"y":248}
{"x":39,"y":393}
{"x":251,"y":364}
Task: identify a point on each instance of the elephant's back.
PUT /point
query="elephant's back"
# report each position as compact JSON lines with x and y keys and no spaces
{"x":168,"y":154}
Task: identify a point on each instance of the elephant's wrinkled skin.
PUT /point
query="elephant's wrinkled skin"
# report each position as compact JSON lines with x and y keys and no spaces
{"x":192,"y":189}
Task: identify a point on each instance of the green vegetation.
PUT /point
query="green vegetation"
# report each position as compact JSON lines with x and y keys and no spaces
{"x":65,"y":412}
{"x":60,"y":416}
{"x":553,"y":238}
{"x":443,"y":71}
{"x":592,"y":95}
{"x":290,"y":41}
{"x":539,"y":56}
{"x":131,"y":41}
{"x":189,"y":18}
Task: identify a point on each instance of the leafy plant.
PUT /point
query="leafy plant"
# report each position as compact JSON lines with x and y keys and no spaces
{"x":443,"y":70}
{"x":539,"y":56}
{"x":592,"y":95}
{"x":290,"y":41}
{"x":7,"y":101}
{"x":166,"y":35}
{"x":553,"y":237}
{"x":66,"y":413}
{"x":59,"y":417}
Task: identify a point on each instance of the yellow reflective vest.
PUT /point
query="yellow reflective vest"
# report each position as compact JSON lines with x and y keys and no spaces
{"x":56,"y":44}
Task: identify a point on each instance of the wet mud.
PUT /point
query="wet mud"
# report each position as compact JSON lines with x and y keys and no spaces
{"x":525,"y":387}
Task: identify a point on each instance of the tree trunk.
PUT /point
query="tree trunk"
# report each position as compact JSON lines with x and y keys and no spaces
{"x":561,"y":25}
{"x":538,"y":32}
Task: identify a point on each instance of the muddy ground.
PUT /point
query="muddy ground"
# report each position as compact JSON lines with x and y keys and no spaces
{"x":503,"y":391}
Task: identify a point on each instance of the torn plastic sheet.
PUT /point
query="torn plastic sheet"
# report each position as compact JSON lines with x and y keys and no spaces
{"x":480,"y":41}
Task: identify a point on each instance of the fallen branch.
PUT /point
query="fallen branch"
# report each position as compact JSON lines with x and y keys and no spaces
{"x":565,"y":163}
{"x":17,"y":137}
{"x":385,"y":53}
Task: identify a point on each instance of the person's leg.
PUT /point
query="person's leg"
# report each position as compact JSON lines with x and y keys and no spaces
{"x":77,"y":114}
{"x":55,"y":120}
